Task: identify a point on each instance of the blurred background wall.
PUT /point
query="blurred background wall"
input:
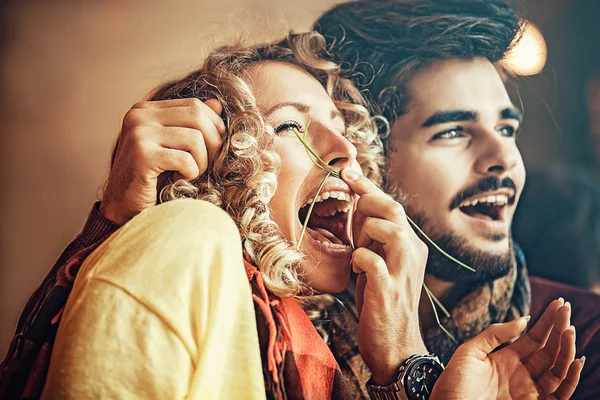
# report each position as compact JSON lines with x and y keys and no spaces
{"x":70,"y":70}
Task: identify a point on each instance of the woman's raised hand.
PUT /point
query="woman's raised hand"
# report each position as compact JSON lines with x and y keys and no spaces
{"x":539,"y":365}
{"x":180,"y":135}
{"x":390,"y":259}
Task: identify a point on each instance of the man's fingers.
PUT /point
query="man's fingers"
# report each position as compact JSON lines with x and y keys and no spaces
{"x":213,"y":105}
{"x":192,"y":114}
{"x":176,"y":160}
{"x":544,"y":358}
{"x":369,"y":262}
{"x":551,"y":380}
{"x":382,"y":231}
{"x":186,"y":139}
{"x":373,"y":205}
{"x":492,"y":337}
{"x":537,"y":336}
{"x":359,"y":298}
{"x":164,"y":103}
{"x":360,"y":184}
{"x":397,"y":242}
{"x":568,"y":386}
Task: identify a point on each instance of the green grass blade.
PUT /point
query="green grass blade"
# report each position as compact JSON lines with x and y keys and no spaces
{"x":437,"y":301}
{"x":310,"y":208}
{"x":437,"y":318}
{"x":438,"y":248}
{"x":315,"y":157}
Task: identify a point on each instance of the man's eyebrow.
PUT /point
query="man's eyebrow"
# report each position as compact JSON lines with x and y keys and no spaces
{"x":511,"y":113}
{"x":299,"y":106}
{"x":442,"y":117}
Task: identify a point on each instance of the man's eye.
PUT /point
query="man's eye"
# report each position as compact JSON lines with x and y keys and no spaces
{"x":449,"y":134}
{"x":289,"y":126}
{"x":508,"y":131}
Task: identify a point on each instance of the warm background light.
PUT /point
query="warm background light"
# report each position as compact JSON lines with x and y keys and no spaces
{"x":528,"y":57}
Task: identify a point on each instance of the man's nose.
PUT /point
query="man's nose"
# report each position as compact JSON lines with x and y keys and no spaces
{"x":498,"y":154}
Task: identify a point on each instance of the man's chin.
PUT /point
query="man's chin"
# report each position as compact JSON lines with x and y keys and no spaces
{"x":488,"y":265}
{"x":498,"y":245}
{"x":490,"y":253}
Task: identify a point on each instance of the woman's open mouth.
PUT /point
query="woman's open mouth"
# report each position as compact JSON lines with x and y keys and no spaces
{"x":329,"y":222}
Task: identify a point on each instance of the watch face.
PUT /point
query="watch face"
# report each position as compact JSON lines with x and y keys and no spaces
{"x":420,"y":378}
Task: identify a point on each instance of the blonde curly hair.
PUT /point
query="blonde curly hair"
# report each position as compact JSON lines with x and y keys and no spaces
{"x":243,"y":177}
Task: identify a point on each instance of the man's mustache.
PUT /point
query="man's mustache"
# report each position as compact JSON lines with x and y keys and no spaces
{"x":488,"y":184}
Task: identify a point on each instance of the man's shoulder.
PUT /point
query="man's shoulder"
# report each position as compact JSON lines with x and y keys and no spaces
{"x":585,"y":317}
{"x":585,"y":303}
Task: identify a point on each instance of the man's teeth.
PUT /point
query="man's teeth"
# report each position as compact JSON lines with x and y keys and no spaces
{"x":492,"y":200}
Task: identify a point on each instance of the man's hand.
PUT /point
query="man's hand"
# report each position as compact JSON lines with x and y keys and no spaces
{"x":180,"y":135}
{"x":540,"y":364}
{"x":390,"y":259}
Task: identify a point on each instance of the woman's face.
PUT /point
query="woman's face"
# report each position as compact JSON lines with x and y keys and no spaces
{"x":289,"y":97}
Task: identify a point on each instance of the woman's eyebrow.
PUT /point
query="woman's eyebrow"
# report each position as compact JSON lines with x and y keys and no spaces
{"x":302,"y":107}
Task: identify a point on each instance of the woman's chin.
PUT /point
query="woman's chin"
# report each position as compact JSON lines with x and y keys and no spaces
{"x":324,"y":277}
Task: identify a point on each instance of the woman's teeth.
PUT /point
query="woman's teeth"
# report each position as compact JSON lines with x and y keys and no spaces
{"x":333,"y":245}
{"x":333,"y":195}
{"x":499,"y":200}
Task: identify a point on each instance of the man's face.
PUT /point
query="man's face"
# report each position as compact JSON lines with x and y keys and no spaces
{"x":456,"y":165}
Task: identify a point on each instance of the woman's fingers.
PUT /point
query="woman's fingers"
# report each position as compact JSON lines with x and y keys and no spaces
{"x":537,"y":336}
{"x":551,"y":380}
{"x":568,"y":386}
{"x":492,"y":337}
{"x":545,"y":358}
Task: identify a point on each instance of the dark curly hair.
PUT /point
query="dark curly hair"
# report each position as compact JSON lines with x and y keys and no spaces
{"x":381,"y":43}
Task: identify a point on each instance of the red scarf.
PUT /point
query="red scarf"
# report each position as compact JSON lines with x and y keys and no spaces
{"x":297,"y":364}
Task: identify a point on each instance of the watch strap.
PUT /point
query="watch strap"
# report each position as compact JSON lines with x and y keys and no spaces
{"x":395,"y":390}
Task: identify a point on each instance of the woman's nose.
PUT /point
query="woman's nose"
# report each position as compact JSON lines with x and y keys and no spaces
{"x":333,"y":147}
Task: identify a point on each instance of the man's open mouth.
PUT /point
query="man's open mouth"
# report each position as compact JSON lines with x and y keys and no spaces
{"x":490,"y":206}
{"x":329,"y":220}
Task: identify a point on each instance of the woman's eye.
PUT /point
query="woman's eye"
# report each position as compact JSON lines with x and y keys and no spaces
{"x":508,"y":131}
{"x":288,"y":126}
{"x":449,"y":134}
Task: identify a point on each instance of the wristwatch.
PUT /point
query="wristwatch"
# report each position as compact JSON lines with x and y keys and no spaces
{"x":415,"y":380}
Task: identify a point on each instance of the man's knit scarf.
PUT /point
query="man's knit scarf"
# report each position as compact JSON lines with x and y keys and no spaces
{"x":497,"y":301}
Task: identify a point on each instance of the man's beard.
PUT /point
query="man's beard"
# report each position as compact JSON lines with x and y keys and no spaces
{"x":488,"y":266}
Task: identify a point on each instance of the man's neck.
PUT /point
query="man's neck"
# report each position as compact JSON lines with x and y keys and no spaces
{"x":440,"y":289}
